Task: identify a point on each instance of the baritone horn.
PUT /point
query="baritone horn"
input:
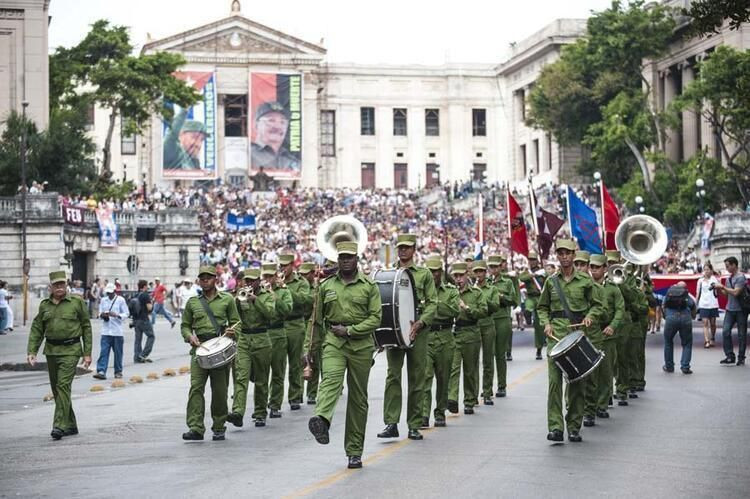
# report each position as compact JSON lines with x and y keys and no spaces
{"x":338,"y":229}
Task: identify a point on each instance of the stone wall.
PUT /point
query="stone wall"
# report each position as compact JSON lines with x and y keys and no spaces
{"x":731,"y":237}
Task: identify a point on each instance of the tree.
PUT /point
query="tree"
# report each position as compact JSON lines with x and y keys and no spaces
{"x":708,"y":16}
{"x":133,"y":88}
{"x":721,"y":94}
{"x":596,"y":94}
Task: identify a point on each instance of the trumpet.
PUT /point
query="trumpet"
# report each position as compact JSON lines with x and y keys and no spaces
{"x":243,"y":294}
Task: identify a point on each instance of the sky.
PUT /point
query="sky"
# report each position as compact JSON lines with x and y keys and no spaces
{"x":379,"y":32}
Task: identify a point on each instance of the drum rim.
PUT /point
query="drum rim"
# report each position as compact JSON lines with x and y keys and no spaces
{"x":554,"y":355}
{"x":397,"y":324}
{"x":590,"y":371}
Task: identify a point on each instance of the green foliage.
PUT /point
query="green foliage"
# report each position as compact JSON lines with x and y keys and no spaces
{"x":110,"y":190}
{"x":707,"y":16}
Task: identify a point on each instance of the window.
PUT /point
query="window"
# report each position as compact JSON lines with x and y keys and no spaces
{"x":432,"y":122}
{"x":536,"y":156}
{"x":478,"y":172}
{"x":237,"y":180}
{"x":523,"y":161}
{"x":328,"y":133}
{"x":127,"y":142}
{"x":549,"y":151}
{"x":368,"y":175}
{"x":367,"y":120}
{"x":235,"y":115}
{"x":90,"y":113}
{"x":522,"y":104}
{"x":479,"y":122}
{"x":399,"y":121}
{"x":400,"y":175}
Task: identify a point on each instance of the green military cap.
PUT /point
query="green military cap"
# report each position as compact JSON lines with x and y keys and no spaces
{"x":207,"y":269}
{"x":406,"y":240}
{"x":567,"y":244}
{"x":613,"y":256}
{"x":479,"y":265}
{"x":495,"y":260}
{"x":306,"y":268}
{"x":286,"y":258}
{"x":270,"y":107}
{"x":253,"y":273}
{"x":459,"y":268}
{"x":194,"y":126}
{"x":269,"y":268}
{"x":57,"y":276}
{"x":331,"y":263}
{"x":598,"y":260}
{"x":533,"y":255}
{"x":582,"y":256}
{"x":468,"y":259}
{"x":346,"y":248}
{"x":240,"y":275}
{"x":434,"y":264}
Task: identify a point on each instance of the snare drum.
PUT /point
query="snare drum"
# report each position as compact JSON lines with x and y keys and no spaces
{"x":399,"y":305}
{"x":576,"y":356}
{"x":216,"y":352}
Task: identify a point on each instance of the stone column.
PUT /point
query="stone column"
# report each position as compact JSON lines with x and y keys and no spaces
{"x":673,"y":136}
{"x":689,"y":118}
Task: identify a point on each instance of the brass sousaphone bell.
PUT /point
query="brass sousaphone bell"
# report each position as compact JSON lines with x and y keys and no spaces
{"x":641,"y":240}
{"x":338,"y":229}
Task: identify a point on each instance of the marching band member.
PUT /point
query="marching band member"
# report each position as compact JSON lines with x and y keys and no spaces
{"x":487,"y":329}
{"x":533,"y":280}
{"x":307,"y":271}
{"x":502,"y":319}
{"x":269,"y":273}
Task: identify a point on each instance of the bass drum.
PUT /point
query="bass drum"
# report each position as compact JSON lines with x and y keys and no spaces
{"x":399,"y":305}
{"x":576,"y":356}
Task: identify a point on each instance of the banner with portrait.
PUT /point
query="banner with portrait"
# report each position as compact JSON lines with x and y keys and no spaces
{"x":108,"y":231}
{"x":276,"y":124}
{"x":189,"y":139}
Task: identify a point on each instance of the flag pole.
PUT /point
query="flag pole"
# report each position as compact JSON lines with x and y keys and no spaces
{"x":532,"y":199}
{"x":567,"y":208}
{"x":510,"y":228}
{"x":481,"y":221}
{"x":600,"y":183}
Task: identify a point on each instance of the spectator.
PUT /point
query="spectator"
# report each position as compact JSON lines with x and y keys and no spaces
{"x":94,"y":295}
{"x":708,"y":304}
{"x":187,"y":291}
{"x":112,"y":311}
{"x":143,"y":324}
{"x":679,"y":312}
{"x":159,"y":295}
{"x":174,"y":298}
{"x":4,"y":308}
{"x":77,"y":289}
{"x":734,"y":314}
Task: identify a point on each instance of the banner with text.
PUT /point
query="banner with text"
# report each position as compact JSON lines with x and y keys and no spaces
{"x":276,"y":124}
{"x":189,"y":140}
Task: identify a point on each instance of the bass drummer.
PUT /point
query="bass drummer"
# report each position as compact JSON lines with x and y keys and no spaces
{"x":203,"y":319}
{"x":416,"y":355}
{"x":568,"y":298}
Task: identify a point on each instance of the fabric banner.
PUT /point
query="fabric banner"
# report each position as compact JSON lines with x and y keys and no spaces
{"x":611,"y":218}
{"x":72,"y":215}
{"x":108,"y":230}
{"x":189,"y":140}
{"x":708,"y":225}
{"x":239,"y":223}
{"x":276,"y":124}
{"x":549,"y":224}
{"x":519,"y":241}
{"x":583,"y":224}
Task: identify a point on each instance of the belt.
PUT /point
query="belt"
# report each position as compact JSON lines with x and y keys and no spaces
{"x":65,"y":342}
{"x":276,"y":325}
{"x":331,"y":324}
{"x":465,"y":323}
{"x":576,"y":316}
{"x":440,"y":327}
{"x":254,"y":330}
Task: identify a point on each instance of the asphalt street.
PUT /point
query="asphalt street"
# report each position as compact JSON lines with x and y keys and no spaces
{"x":685,"y":436}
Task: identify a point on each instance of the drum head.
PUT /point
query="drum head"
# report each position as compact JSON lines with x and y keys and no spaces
{"x":403,"y":291}
{"x":564,"y":344}
{"x":213,"y":345}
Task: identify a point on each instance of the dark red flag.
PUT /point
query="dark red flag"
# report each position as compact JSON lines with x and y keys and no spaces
{"x":611,"y":218}
{"x":519,"y":241}
{"x":548,"y":225}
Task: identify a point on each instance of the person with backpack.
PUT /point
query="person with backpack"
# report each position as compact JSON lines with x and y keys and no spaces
{"x":679,"y":312}
{"x":140,"y":310}
{"x":738,"y":306}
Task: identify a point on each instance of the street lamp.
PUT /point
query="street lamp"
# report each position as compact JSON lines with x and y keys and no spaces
{"x":700,"y":193}
{"x":639,"y":203}
{"x":597,"y":176}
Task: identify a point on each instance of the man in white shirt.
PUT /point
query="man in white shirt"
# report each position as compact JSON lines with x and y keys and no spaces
{"x":112,"y":311}
{"x":187,"y":291}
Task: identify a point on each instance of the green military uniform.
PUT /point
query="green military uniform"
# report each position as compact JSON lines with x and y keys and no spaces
{"x":357,"y":306}
{"x":440,"y":347}
{"x":62,"y":326}
{"x":196,"y":321}
{"x":638,"y":374}
{"x":253,"y":350}
{"x":487,"y":331}
{"x":583,"y":301}
{"x":503,"y":326}
{"x":468,"y":340}
{"x":277,"y":334}
{"x":614,"y":311}
{"x":636,"y":306}
{"x":517,"y":287}
{"x":534,"y":284}
{"x":416,"y":356}
{"x":316,"y":350}
{"x":294,"y":326}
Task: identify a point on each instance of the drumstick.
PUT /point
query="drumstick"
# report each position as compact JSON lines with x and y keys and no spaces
{"x":576,"y":325}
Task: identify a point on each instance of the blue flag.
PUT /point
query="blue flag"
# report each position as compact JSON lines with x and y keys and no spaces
{"x":583,"y":224}
{"x":239,"y":223}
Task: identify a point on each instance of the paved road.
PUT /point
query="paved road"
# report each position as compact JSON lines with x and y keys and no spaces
{"x":686,"y":436}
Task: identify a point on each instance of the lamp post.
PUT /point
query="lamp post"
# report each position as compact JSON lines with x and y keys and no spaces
{"x":25,"y":260}
{"x":639,"y":203}
{"x":700,"y":193}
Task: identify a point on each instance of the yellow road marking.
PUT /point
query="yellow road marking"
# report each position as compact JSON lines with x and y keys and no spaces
{"x":340,"y":475}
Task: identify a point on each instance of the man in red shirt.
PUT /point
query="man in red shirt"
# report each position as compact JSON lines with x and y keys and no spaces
{"x":158,"y":295}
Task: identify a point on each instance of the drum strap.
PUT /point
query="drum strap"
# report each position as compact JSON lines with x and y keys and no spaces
{"x":210,"y":314}
{"x":563,"y":300}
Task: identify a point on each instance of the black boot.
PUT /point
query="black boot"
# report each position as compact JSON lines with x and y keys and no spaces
{"x":318,"y":426}
{"x":425,"y":422}
{"x":538,"y":354}
{"x":415,"y":435}
{"x":453,"y":407}
{"x":355,"y":462}
{"x":588,"y":421}
{"x":57,"y":433}
{"x":192,"y":435}
{"x":574,"y":436}
{"x":555,"y":436}
{"x":602,"y":414}
{"x":500,"y":393}
{"x":235,"y":418}
{"x":390,"y":431}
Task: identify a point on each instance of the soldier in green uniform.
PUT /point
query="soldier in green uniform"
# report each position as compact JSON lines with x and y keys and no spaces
{"x":581,"y":261}
{"x":196,"y":328}
{"x":294,"y":326}
{"x":278,"y":336}
{"x":533,"y":280}
{"x":517,"y":287}
{"x":635,"y":307}
{"x":416,"y":356}
{"x":468,"y":340}
{"x":440,"y":345}
{"x":585,"y":307}
{"x":638,"y":375}
{"x":502,"y":319}
{"x":487,"y":329}
{"x":307,"y":270}
{"x":349,"y":311}
{"x":611,"y":323}
{"x":253,"y":349}
{"x":62,"y":323}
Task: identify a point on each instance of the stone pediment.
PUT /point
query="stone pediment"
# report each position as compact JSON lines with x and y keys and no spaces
{"x":236,"y":41}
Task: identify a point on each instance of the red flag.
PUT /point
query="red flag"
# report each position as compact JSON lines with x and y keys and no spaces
{"x":519,"y":241}
{"x":611,"y":218}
